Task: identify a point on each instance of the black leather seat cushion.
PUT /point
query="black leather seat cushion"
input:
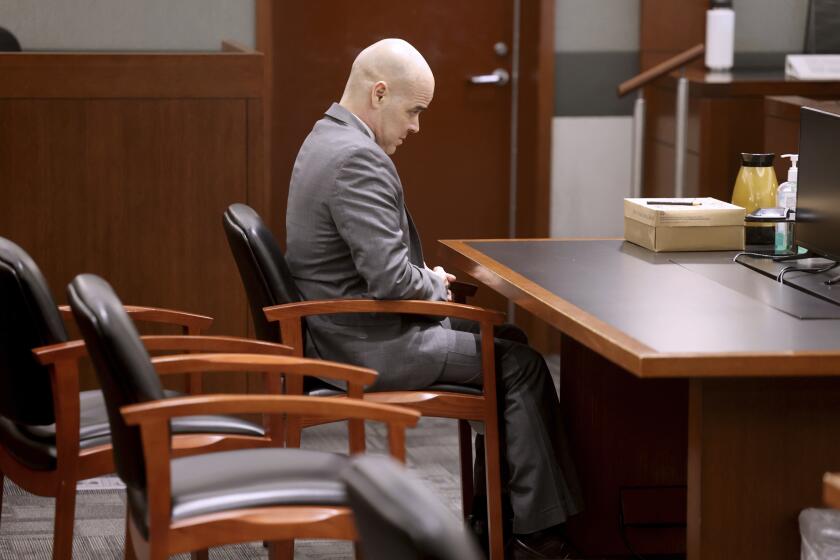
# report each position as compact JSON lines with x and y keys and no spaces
{"x":325,"y":391}
{"x":229,"y":480}
{"x":34,"y":446}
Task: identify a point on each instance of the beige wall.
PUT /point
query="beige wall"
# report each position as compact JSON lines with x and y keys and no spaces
{"x":177,"y":25}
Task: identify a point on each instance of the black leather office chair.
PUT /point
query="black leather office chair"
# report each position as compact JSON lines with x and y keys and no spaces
{"x":51,"y":435}
{"x":822,"y":30}
{"x":399,"y":517}
{"x":275,"y":301}
{"x":8,"y":42}
{"x":225,"y":497}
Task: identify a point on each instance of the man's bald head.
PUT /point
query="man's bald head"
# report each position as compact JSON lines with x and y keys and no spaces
{"x":390,"y":83}
{"x":393,"y":61}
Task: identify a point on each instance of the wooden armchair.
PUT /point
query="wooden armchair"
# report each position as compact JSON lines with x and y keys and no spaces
{"x":51,"y":435}
{"x":271,"y":290}
{"x":831,"y":489}
{"x":207,"y":500}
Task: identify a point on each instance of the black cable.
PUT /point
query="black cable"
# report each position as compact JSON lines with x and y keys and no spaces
{"x":794,"y":257}
{"x":785,"y":270}
{"x":622,"y":529}
{"x":749,"y":254}
{"x":832,"y":281}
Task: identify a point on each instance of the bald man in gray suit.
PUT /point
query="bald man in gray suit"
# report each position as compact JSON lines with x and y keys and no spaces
{"x":349,"y":235}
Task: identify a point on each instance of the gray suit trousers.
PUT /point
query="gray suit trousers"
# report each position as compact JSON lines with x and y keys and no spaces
{"x":540,"y":476}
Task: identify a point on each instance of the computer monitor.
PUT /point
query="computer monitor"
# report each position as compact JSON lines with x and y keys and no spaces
{"x":818,"y":185}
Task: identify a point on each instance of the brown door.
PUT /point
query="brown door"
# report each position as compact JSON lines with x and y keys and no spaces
{"x":456,"y":172}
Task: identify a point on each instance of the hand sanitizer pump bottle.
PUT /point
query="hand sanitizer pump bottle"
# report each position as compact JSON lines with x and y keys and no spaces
{"x":720,"y":36}
{"x":786,"y":198}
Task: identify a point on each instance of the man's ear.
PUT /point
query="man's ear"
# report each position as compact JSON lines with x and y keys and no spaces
{"x":378,"y":93}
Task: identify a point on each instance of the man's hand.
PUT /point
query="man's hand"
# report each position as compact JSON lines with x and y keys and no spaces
{"x":447,"y":279}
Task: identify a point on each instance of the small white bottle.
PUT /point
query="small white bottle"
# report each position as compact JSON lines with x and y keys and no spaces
{"x":786,"y":195}
{"x":786,"y":198}
{"x":720,"y":36}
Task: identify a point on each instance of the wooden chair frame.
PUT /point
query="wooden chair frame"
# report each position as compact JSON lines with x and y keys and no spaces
{"x":278,"y":524}
{"x":831,"y":489}
{"x":74,"y":464}
{"x":429,"y":403}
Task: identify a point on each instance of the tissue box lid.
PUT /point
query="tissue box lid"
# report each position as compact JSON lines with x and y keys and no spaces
{"x":709,"y":212}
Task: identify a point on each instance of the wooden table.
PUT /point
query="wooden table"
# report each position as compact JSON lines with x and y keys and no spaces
{"x":680,"y":370}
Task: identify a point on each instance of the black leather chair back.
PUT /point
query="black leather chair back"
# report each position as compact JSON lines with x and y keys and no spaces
{"x":822,"y":28}
{"x":261,"y":264}
{"x":8,"y":42}
{"x":122,"y":365}
{"x":398,"y":517}
{"x":28,"y":319}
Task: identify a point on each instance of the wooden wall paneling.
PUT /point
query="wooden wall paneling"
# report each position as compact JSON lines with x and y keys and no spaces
{"x":265,"y":40}
{"x":731,"y":126}
{"x":659,"y":141}
{"x":774,"y":434}
{"x":131,"y":184}
{"x":111,"y":75}
{"x":781,"y":125}
{"x":536,"y":112}
{"x":781,"y":128}
{"x":661,"y":100}
{"x":659,"y":170}
{"x":260,"y":199}
{"x":668,"y":27}
{"x":624,"y":433}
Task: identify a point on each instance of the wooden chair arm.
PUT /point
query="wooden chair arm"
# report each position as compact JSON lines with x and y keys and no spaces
{"x":185,"y":363}
{"x":214,"y":344}
{"x":51,"y":354}
{"x":831,"y":490}
{"x":75,"y":349}
{"x":193,"y":322}
{"x":162,"y":410}
{"x":420,"y":307}
{"x":462,"y":290}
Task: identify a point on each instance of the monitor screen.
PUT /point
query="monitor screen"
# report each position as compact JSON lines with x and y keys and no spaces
{"x":818,"y":185}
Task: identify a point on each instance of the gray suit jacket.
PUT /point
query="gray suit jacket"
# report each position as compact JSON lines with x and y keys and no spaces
{"x":350,"y":236}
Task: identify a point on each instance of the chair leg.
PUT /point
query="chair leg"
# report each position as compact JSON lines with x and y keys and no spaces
{"x":2,"y":481}
{"x":465,"y":444}
{"x":128,"y":553}
{"x":199,"y":555}
{"x":65,"y":514}
{"x":281,"y":550}
{"x":357,"y":551}
{"x":495,"y":524}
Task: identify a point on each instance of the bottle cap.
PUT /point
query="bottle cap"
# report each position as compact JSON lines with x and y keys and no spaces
{"x":757,"y":160}
{"x":721,"y":4}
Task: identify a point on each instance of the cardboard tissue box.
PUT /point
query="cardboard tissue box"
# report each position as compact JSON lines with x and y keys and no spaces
{"x":699,"y":224}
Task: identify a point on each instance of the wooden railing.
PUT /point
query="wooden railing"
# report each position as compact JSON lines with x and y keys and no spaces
{"x":661,"y":69}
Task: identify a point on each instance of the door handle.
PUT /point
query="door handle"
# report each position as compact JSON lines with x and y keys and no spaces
{"x":499,"y":77}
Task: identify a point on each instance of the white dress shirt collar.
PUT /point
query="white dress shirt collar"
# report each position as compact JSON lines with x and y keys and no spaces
{"x":366,"y":127}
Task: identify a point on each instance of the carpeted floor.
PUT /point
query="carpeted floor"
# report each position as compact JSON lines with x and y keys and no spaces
{"x":27,"y":521}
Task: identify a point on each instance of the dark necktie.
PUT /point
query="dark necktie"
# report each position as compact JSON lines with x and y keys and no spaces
{"x":415,"y":248}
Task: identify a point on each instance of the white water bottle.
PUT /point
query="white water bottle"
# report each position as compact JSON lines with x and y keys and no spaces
{"x":720,"y":35}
